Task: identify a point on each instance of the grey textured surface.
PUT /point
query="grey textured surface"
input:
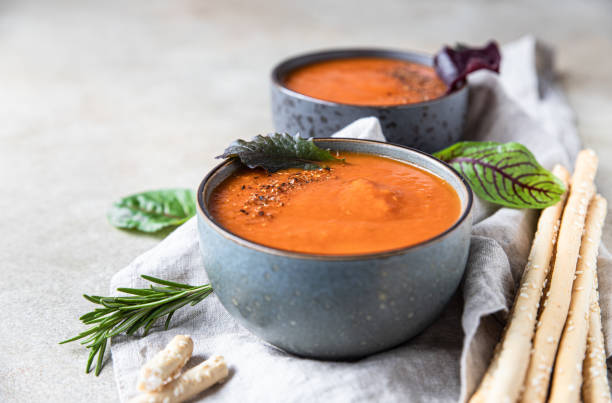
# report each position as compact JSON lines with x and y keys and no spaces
{"x":101,"y":99}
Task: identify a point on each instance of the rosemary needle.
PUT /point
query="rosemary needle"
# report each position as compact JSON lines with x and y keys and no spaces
{"x":140,"y":310}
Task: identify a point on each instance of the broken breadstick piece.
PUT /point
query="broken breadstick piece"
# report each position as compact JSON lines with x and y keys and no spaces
{"x":509,"y":364}
{"x":567,"y":376}
{"x":165,"y":365}
{"x":556,"y":303}
{"x":595,"y":388}
{"x":189,"y":384}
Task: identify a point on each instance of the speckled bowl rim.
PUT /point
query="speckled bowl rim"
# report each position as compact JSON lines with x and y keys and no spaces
{"x":205,"y":214}
{"x":344,"y":53}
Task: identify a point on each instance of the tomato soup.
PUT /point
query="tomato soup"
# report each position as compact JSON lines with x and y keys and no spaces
{"x":367,"y":81}
{"x":366,"y":204}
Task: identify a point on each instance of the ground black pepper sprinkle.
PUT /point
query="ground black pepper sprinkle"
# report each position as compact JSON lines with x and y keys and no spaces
{"x":274,"y":192}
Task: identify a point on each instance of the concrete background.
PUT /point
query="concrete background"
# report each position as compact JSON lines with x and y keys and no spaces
{"x":99,"y":99}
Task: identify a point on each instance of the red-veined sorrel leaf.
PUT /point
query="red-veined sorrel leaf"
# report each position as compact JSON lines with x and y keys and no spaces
{"x":454,"y":64}
{"x":506,"y":174}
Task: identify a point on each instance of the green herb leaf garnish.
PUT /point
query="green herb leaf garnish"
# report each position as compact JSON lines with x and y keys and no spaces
{"x":140,"y":310}
{"x":154,"y":210}
{"x":506,"y":174}
{"x":278,"y":151}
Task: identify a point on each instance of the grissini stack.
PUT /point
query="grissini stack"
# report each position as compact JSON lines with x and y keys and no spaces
{"x":556,"y":304}
{"x":189,"y":384}
{"x":509,"y":364}
{"x":595,"y":388}
{"x":567,"y":376}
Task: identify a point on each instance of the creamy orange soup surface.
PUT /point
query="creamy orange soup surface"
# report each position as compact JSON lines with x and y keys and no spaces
{"x":365,"y":205}
{"x":367,"y":81}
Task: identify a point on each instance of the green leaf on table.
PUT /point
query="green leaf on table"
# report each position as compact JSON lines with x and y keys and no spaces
{"x":504,"y":173}
{"x":154,"y":210}
{"x":278,"y":151}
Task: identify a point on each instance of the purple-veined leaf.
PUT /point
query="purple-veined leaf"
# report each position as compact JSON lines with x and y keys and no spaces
{"x":454,"y":64}
{"x":504,"y":173}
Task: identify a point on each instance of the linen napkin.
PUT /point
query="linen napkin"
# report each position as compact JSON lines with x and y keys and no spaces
{"x":446,"y":361}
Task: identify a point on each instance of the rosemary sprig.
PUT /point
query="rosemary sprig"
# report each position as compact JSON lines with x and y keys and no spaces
{"x":127,"y":314}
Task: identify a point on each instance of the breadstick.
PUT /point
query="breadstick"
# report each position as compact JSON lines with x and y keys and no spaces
{"x":189,"y":384}
{"x":557,"y":299}
{"x":595,"y":388}
{"x":509,"y":364}
{"x":567,"y":377}
{"x":165,"y":365}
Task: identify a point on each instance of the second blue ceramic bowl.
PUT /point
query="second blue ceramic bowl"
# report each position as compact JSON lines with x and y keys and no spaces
{"x":429,"y":126}
{"x":336,"y":307}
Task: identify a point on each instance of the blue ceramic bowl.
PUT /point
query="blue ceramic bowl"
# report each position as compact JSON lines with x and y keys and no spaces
{"x":429,"y":126}
{"x":336,"y":307}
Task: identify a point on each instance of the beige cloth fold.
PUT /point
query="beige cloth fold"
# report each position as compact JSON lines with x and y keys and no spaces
{"x":446,"y":361}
